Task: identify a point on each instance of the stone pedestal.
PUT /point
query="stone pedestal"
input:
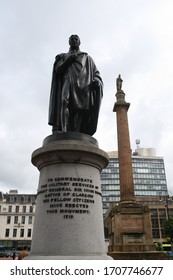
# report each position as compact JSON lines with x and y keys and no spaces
{"x":129,"y":229}
{"x":68,"y":220}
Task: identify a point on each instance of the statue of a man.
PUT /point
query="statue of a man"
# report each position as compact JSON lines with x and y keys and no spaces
{"x":119,"y":82}
{"x":76,"y":91}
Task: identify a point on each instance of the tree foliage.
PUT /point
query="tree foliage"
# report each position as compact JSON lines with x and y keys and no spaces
{"x":168,"y":227}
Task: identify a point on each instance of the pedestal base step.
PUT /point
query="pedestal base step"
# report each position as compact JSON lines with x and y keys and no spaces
{"x":138,"y":255}
{"x":65,"y":257}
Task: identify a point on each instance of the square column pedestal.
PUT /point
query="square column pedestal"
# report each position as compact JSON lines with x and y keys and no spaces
{"x":130,"y":232}
{"x":68,"y":220}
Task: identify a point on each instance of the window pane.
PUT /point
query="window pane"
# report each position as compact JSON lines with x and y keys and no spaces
{"x":7,"y":232}
{"x":22,"y":232}
{"x":23,"y":220}
{"x":14,"y":232}
{"x":30,"y":220}
{"x":8,"y":219}
{"x":15,"y":219}
{"x":29,"y":232}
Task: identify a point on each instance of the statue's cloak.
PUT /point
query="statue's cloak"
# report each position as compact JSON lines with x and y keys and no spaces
{"x":76,"y":82}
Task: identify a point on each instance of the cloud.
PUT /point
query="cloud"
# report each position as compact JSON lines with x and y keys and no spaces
{"x":131,"y":38}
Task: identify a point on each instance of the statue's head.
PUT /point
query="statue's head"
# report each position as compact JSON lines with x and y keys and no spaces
{"x":74,"y":41}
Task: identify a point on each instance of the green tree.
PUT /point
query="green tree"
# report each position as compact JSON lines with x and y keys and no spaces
{"x":168,"y":227}
{"x":159,"y":246}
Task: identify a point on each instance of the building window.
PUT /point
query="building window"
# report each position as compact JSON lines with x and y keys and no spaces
{"x":30,"y":220}
{"x":11,"y":198}
{"x":153,"y":212}
{"x":9,"y":208}
{"x":8,"y":219}
{"x":33,"y":199}
{"x":156,"y":233}
{"x":15,"y":219}
{"x":23,"y":220}
{"x":163,"y":233}
{"x":170,"y":212}
{"x":7,"y":232}
{"x":30,"y":209}
{"x":24,"y":209}
{"x":162,"y":213}
{"x":21,"y":232}
{"x":14,"y":232}
{"x":17,"y":209}
{"x":29,"y":232}
{"x":25,"y":198}
{"x":155,"y":223}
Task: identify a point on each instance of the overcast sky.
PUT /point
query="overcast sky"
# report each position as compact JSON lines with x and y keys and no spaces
{"x":132,"y":38}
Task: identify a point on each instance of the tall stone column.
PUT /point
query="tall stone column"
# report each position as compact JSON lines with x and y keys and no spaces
{"x":128,"y":222}
{"x":124,"y":150}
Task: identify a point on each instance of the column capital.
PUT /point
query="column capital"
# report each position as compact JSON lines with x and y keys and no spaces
{"x":121,"y":103}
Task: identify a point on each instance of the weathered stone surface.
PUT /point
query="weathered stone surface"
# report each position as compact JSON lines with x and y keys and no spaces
{"x":68,"y":221}
{"x":131,"y":228}
{"x":140,"y":255}
{"x":128,"y":222}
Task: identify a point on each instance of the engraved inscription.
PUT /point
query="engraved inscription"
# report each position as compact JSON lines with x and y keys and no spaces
{"x":68,"y":196}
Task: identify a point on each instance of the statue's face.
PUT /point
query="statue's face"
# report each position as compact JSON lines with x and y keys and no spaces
{"x":74,"y":41}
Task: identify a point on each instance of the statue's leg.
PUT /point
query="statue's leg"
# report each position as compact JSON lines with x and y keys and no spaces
{"x":65,"y":115}
{"x":77,"y":121}
{"x":81,"y":121}
{"x":55,"y":129}
{"x":65,"y":106}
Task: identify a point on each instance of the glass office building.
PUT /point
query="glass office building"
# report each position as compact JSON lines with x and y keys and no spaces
{"x":148,"y":174}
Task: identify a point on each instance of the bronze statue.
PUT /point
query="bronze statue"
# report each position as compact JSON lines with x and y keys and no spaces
{"x":76,"y":91}
{"x":119,"y":82}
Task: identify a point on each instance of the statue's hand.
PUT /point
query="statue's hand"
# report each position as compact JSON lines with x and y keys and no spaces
{"x":95,"y":84}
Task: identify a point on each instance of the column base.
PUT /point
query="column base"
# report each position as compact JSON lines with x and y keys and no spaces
{"x":138,"y":255}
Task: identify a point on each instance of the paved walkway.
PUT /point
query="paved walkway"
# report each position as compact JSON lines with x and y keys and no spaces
{"x":8,"y":259}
